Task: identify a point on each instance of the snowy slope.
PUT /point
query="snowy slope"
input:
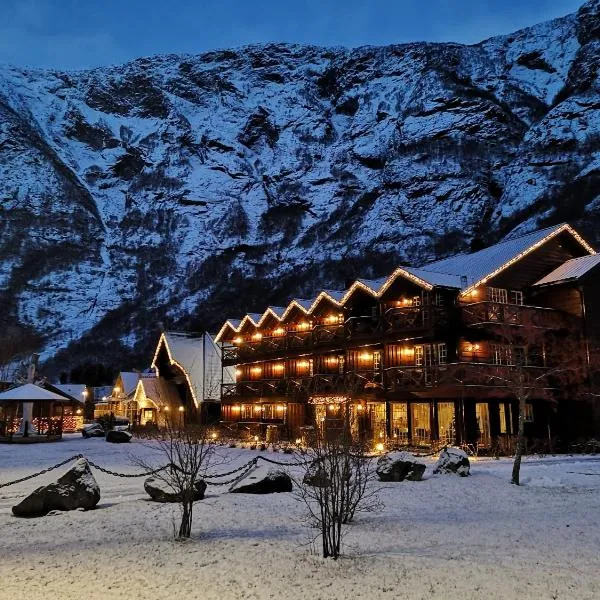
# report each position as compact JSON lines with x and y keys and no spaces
{"x":187,"y":189}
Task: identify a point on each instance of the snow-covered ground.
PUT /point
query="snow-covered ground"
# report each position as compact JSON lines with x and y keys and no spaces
{"x":445,"y":537}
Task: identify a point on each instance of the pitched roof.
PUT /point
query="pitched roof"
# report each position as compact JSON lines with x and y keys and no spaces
{"x":200,"y":360}
{"x":571,"y":270}
{"x":158,"y":390}
{"x":73,"y":390}
{"x":30,"y":392}
{"x":478,"y":265}
{"x":129,"y":381}
{"x":462,"y":272}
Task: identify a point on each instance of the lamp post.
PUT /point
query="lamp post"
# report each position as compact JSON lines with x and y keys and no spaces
{"x":181,"y":411}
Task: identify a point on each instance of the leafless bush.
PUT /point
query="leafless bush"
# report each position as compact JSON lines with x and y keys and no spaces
{"x":189,"y":453}
{"x":334,"y":486}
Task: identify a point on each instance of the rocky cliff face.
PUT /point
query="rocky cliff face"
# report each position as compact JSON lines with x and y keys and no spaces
{"x":188,"y":189}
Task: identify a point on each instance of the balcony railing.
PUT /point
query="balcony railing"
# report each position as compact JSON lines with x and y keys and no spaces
{"x":492,"y":313}
{"x":302,"y":386}
{"x":411,"y":318}
{"x":262,"y":388}
{"x":462,"y":374}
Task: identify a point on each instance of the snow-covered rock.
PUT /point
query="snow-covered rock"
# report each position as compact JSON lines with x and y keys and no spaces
{"x":263,"y":480}
{"x":161,"y":491}
{"x":453,"y":460}
{"x":171,"y":187}
{"x":398,"y":466}
{"x":77,"y":488}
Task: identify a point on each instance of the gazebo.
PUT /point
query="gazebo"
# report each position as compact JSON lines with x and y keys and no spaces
{"x":29,"y":412}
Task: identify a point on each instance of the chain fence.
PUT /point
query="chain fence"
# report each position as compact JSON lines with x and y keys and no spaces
{"x":240,"y":472}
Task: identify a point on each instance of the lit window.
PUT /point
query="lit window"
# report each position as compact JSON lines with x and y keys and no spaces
{"x":498,"y":295}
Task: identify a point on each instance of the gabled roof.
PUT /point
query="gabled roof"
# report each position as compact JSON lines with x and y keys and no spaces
{"x":30,"y":392}
{"x":158,"y":390}
{"x":72,"y":390}
{"x":572,"y":270}
{"x":461,"y":272}
{"x":199,"y":358}
{"x":129,"y":381}
{"x":481,"y":266}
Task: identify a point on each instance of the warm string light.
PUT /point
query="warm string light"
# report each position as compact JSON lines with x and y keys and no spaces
{"x":400,"y":272}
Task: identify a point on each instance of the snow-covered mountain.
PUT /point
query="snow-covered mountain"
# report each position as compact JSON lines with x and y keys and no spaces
{"x":188,"y":189}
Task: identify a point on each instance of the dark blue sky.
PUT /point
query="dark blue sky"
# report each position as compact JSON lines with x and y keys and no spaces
{"x":71,"y":34}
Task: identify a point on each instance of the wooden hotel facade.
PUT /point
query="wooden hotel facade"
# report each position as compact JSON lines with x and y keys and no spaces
{"x":418,"y":358}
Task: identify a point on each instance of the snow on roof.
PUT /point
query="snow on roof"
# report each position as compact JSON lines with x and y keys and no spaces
{"x":158,"y":390}
{"x":374,"y":284}
{"x":571,"y":270}
{"x":30,"y":392}
{"x":200,"y":360}
{"x":337,"y":295}
{"x":480,"y":266}
{"x":306,"y":304}
{"x":278,"y":310}
{"x":435,"y":278}
{"x":74,"y":390}
{"x":462,"y":271}
{"x":129,"y":381}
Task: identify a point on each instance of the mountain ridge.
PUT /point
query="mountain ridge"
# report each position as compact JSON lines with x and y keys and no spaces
{"x":186,"y":189}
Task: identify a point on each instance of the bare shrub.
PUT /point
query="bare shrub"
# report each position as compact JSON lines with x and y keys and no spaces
{"x":190,"y":454}
{"x":334,"y":486}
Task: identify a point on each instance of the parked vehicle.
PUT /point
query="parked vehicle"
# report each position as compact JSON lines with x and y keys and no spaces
{"x":92,"y":430}
{"x":97,"y":429}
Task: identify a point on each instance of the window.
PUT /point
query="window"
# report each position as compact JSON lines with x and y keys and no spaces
{"x":528,"y":416}
{"x":419,"y":356}
{"x":502,"y":409}
{"x":376,"y":360}
{"x":246,"y":412}
{"x":442,"y":354}
{"x":498,"y":295}
{"x":439,"y":299}
{"x":502,"y":354}
{"x":416,"y":300}
{"x":341,"y":363}
{"x":516,"y":297}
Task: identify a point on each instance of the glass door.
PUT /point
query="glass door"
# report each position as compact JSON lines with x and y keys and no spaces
{"x":421,"y":424}
{"x":482,"y":413}
{"x":446,"y":423}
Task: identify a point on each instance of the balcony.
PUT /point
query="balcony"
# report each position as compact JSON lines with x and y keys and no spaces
{"x":328,"y":334}
{"x":459,"y":375}
{"x":262,"y":389}
{"x":411,"y":318}
{"x":497,"y":313}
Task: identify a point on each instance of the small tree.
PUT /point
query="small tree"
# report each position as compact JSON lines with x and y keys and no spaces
{"x":189,"y":453}
{"x":537,"y":362}
{"x":334,"y":486}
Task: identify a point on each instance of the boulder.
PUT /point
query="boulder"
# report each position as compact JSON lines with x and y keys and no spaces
{"x":316,"y":476}
{"x":453,"y":460}
{"x":118,"y":437}
{"x":398,"y":466}
{"x":161,"y":491}
{"x":77,"y":488}
{"x":263,"y":480}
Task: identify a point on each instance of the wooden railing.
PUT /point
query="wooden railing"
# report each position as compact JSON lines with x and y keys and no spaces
{"x":458,"y":374}
{"x":494,"y":313}
{"x":412,"y":318}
